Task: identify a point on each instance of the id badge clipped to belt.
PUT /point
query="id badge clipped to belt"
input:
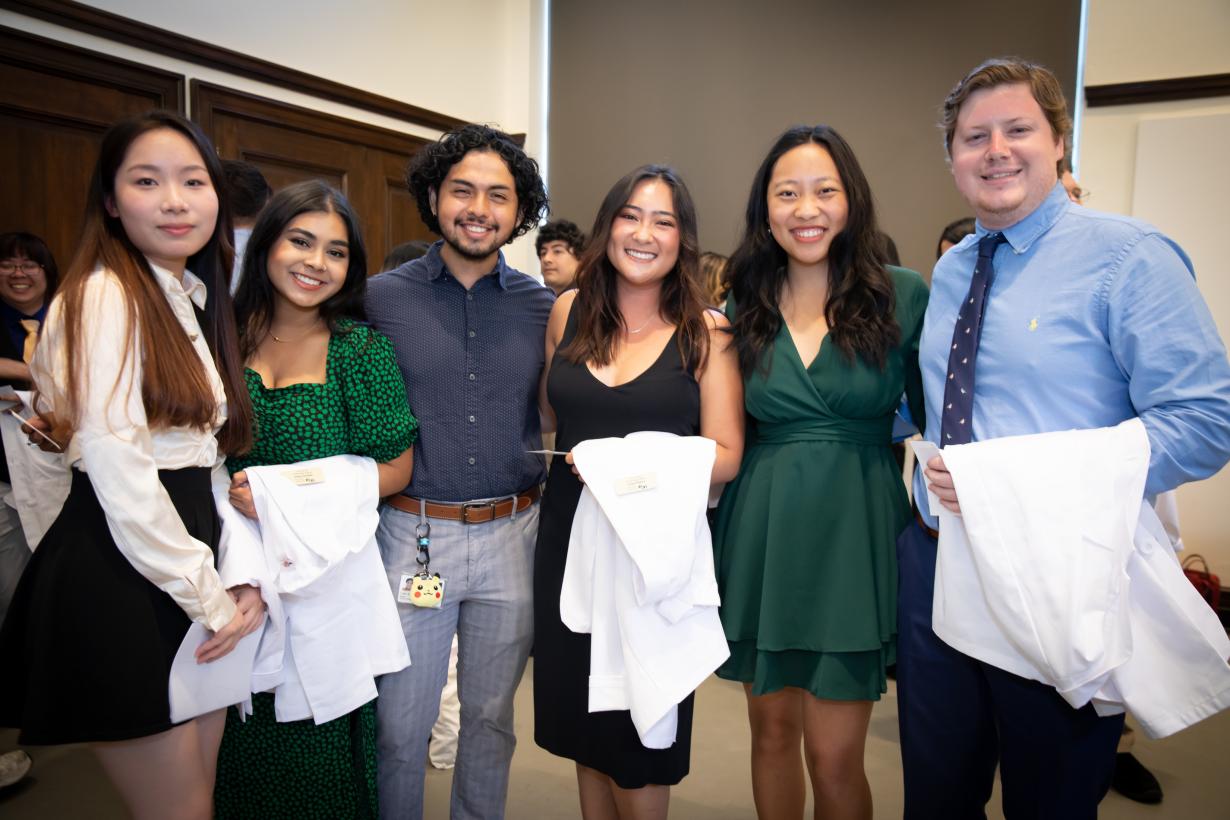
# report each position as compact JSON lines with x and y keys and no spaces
{"x":423,"y":588}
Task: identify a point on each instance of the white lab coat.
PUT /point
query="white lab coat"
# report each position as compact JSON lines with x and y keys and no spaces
{"x":40,"y":480}
{"x":1057,"y":571}
{"x":332,"y":625}
{"x":639,"y":576}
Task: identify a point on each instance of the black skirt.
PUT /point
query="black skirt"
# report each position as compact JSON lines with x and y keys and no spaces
{"x":88,"y":642}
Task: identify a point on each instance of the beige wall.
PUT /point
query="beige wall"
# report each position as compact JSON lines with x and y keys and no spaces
{"x":1130,"y":40}
{"x":467,"y":60}
{"x":706,"y":86}
{"x":488,"y":73}
{"x":1122,"y":150}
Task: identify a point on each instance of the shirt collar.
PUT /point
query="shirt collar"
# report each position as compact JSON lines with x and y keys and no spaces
{"x":435,"y":265}
{"x":191,"y":286}
{"x":1023,"y":234}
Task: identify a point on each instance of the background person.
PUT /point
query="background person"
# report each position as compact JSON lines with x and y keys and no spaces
{"x":28,"y":279}
{"x":403,"y":253}
{"x":953,"y":233}
{"x":247,"y":190}
{"x":713,"y":278}
{"x":559,"y":245}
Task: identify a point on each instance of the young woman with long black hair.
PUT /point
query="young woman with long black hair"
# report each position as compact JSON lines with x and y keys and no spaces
{"x":139,"y":365}
{"x":827,"y":339}
{"x":322,"y":384}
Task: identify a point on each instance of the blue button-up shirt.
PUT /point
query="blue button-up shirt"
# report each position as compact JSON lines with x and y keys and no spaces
{"x":471,"y":360}
{"x":1091,"y":319}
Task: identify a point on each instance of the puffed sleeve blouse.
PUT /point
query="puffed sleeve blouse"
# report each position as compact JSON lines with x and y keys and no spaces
{"x":121,"y":454}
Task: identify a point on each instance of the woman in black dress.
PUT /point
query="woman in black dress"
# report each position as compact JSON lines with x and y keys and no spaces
{"x":632,"y":348}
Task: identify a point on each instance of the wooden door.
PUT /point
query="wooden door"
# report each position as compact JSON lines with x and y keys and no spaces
{"x":289,"y":144}
{"x":56,"y":101}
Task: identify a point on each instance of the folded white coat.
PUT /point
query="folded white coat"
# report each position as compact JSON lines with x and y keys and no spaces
{"x":40,"y":480}
{"x":1058,"y":571}
{"x":332,"y":624}
{"x":639,"y":576}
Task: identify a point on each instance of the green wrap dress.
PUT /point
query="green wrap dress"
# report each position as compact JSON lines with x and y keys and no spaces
{"x":805,"y":539}
{"x":298,"y":769}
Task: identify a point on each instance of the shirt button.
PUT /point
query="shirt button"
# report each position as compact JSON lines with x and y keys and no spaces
{"x":469,"y":297}
{"x":471,"y":460}
{"x":471,"y":419}
{"x":472,"y":377}
{"x":471,"y":334}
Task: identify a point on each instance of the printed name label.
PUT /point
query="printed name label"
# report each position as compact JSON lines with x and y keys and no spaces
{"x":636,"y":483}
{"x":302,"y":476}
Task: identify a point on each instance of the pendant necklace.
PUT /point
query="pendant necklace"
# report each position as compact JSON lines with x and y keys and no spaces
{"x":280,"y":340}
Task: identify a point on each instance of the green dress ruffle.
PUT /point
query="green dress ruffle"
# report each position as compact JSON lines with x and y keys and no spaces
{"x":805,"y":539}
{"x":300,"y":770}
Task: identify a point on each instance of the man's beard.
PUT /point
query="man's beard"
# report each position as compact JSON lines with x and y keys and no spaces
{"x":455,"y":240}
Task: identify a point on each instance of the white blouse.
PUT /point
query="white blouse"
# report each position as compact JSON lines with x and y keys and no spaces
{"x":114,"y":445}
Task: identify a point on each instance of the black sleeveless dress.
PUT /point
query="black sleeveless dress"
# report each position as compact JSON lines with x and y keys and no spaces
{"x":665,"y":398}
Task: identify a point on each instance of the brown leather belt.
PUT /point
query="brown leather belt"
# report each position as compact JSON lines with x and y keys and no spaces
{"x":918,"y":517}
{"x":469,"y":512}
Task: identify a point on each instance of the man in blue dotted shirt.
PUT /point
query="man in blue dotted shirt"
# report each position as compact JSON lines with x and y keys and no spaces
{"x":468,"y":331}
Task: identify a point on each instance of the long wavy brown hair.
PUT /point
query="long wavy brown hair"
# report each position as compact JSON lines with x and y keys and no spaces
{"x":174,"y":387}
{"x":682,"y":301}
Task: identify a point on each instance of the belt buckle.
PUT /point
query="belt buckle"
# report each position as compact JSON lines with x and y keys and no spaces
{"x":480,"y":505}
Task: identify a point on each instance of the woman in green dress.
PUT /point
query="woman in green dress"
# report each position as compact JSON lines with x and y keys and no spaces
{"x":321,"y":385}
{"x":827,"y":338}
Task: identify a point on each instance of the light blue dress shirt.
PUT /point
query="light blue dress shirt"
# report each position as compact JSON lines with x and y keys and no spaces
{"x":1091,"y":319}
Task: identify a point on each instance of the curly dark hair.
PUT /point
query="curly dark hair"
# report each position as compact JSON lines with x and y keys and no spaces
{"x":561,"y":230}
{"x":429,"y":167}
{"x":861,"y":301}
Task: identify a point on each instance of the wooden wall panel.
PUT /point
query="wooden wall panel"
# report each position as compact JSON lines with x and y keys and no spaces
{"x":289,"y":144}
{"x":56,"y":101}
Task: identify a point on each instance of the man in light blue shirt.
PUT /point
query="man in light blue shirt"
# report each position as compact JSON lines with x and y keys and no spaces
{"x":1090,"y":319}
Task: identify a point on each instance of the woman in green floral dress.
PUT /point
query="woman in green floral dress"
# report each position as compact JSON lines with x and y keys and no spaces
{"x":321,"y":385}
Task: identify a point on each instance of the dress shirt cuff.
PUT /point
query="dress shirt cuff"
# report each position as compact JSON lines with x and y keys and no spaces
{"x":205,"y":599}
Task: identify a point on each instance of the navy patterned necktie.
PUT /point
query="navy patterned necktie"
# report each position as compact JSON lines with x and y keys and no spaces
{"x":957,"y":418}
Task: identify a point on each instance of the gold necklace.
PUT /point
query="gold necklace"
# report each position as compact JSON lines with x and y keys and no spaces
{"x":277,"y":338}
{"x":642,"y":327}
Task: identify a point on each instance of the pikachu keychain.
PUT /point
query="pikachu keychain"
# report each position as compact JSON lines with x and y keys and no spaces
{"x":422,"y":588}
